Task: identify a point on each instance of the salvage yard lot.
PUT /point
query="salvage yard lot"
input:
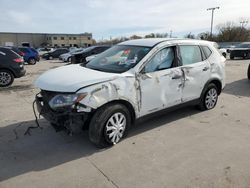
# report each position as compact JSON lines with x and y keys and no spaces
{"x":183,"y":148}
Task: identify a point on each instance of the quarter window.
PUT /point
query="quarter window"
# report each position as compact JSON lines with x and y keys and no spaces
{"x":190,"y":54}
{"x":206,"y":51}
{"x":162,"y":60}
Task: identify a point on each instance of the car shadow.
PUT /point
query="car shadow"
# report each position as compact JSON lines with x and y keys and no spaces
{"x":240,"y":88}
{"x":44,"y":148}
{"x":17,"y":88}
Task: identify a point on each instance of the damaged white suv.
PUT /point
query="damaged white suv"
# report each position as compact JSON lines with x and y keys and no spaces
{"x":128,"y":81}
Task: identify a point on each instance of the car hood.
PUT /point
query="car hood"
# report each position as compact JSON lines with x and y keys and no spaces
{"x":71,"y":78}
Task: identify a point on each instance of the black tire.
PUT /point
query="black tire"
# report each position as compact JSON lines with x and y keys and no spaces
{"x":248,"y":72}
{"x":50,"y":58}
{"x":231,"y":57}
{"x":98,"y":133}
{"x":69,"y":59}
{"x":224,"y":54}
{"x":32,"y":61}
{"x":204,"y":103}
{"x":6,"y":78}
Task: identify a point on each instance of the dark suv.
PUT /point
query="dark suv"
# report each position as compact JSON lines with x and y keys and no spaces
{"x":242,"y":51}
{"x":11,"y":66}
{"x":55,"y":53}
{"x":93,"y":50}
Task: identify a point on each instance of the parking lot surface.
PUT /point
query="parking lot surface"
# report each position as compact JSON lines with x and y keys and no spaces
{"x":183,"y":148}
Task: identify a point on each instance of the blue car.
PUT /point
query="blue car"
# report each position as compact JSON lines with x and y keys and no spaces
{"x":30,"y":55}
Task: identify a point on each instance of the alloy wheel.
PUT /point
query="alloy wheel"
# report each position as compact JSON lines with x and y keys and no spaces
{"x":211,"y":98}
{"x":5,"y":78}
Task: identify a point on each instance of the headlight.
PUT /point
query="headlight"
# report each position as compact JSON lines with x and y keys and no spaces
{"x":63,"y":100}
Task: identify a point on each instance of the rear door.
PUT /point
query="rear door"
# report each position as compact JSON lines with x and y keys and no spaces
{"x":196,"y":71}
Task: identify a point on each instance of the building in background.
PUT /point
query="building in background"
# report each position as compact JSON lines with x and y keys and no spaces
{"x":46,"y":39}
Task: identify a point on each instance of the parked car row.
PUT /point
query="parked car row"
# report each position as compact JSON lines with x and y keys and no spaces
{"x":75,"y":55}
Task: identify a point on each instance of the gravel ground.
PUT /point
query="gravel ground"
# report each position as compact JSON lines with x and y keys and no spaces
{"x":183,"y":148}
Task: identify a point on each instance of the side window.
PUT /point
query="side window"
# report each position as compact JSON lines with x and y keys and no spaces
{"x":206,"y":51}
{"x":190,"y":54}
{"x":162,"y":60}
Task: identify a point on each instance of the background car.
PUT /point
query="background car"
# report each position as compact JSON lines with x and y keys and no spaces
{"x":30,"y":55}
{"x":42,"y":51}
{"x":243,"y":51}
{"x":11,"y":66}
{"x":93,"y":50}
{"x":55,"y":53}
{"x":15,"y":49}
{"x":67,"y":56}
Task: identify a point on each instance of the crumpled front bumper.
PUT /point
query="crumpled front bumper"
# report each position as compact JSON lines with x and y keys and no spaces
{"x":66,"y":118}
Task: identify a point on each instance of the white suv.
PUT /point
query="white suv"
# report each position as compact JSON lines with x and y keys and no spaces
{"x":128,"y":81}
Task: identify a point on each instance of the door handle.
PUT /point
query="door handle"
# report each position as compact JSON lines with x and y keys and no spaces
{"x":175,"y":77}
{"x":205,"y":68}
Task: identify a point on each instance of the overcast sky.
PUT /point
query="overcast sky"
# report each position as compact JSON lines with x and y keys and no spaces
{"x":105,"y":18}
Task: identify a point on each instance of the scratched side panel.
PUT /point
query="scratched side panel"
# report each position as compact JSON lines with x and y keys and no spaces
{"x":122,"y":88}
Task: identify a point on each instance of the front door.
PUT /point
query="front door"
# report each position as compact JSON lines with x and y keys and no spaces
{"x":160,"y":82}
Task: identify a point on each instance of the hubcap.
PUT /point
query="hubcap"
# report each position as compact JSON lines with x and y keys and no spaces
{"x":5,"y":78}
{"x":115,"y":127}
{"x":211,"y":98}
{"x":32,"y":61}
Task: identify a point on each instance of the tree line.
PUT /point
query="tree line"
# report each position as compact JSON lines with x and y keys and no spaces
{"x":227,"y":32}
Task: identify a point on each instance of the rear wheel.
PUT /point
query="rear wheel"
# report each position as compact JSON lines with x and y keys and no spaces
{"x":50,"y":57}
{"x":32,"y":61}
{"x":6,"y":78}
{"x":69,"y":59}
{"x":209,"y":97}
{"x":109,"y":125}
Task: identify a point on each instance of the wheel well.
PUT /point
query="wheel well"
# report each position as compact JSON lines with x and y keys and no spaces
{"x":218,"y":85}
{"x":9,"y":71}
{"x":127,"y":104}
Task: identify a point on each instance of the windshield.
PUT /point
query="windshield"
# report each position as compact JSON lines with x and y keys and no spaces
{"x":118,"y":59}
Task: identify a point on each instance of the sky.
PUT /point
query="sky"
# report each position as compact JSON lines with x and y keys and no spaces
{"x":116,"y":18}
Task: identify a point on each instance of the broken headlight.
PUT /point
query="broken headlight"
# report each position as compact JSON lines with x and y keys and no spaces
{"x":64,"y":100}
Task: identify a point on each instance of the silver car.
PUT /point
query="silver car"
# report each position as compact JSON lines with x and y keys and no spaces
{"x":128,"y":81}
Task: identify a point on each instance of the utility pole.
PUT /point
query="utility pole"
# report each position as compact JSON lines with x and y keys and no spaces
{"x":212,"y":19}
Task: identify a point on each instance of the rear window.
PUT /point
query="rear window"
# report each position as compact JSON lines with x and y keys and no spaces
{"x":190,"y":54}
{"x":206,"y":51}
{"x":24,"y":50}
{"x":4,"y":52}
{"x":33,"y":50}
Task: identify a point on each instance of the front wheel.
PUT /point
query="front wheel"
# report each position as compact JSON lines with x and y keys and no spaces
{"x":109,"y":125}
{"x":209,"y":97}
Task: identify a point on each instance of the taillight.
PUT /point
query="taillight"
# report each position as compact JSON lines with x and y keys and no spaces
{"x":18,"y":60}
